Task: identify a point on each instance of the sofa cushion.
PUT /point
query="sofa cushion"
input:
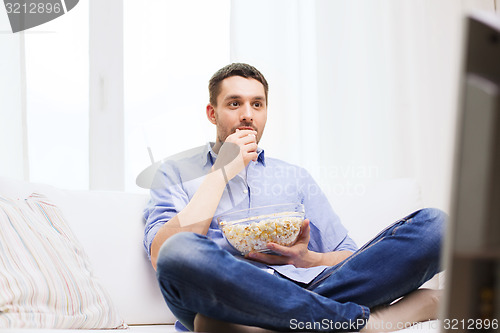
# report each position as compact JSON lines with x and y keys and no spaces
{"x":45,"y":275}
{"x":110,"y":226}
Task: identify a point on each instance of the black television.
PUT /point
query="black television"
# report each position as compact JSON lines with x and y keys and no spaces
{"x":472,"y":246}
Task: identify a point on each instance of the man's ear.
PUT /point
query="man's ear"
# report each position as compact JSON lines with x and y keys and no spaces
{"x":211,"y":113}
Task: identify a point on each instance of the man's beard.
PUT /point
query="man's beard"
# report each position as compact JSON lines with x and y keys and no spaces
{"x":222,"y":138}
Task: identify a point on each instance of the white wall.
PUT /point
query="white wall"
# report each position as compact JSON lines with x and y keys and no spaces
{"x":106,"y":96}
{"x":379,"y":95}
{"x":360,"y":90}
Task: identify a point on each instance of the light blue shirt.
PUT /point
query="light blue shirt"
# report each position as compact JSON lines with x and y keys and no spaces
{"x":268,"y":181}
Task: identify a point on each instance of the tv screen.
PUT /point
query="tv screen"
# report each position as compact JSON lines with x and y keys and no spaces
{"x":472,"y":250}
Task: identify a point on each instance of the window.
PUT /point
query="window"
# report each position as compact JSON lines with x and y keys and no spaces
{"x":171,"y":50}
{"x":57,"y":100}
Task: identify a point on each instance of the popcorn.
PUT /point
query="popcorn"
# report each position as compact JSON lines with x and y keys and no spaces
{"x":246,"y":237}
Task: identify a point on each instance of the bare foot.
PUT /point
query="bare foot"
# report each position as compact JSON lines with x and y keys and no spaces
{"x":418,"y":306}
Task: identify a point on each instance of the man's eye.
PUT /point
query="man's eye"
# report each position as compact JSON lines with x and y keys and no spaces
{"x":257,"y":104}
{"x":234,"y":104}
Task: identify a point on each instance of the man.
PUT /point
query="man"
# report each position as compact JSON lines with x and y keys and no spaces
{"x":321,"y":283}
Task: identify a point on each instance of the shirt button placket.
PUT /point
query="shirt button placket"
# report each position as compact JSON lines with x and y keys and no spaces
{"x":247,"y":190}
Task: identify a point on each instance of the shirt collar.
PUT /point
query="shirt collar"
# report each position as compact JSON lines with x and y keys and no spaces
{"x":209,"y":156}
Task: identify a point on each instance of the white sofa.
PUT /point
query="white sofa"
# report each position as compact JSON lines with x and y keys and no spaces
{"x":110,"y":227}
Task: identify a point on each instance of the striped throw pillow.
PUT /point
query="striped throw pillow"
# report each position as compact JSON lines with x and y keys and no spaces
{"x":46,"y":280}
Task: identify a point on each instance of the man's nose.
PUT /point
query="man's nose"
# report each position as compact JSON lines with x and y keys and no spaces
{"x":246,"y":113}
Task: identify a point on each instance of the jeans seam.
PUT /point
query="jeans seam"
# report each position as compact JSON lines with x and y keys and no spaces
{"x":405,"y":221}
{"x":345,"y":262}
{"x":365,"y":314}
{"x":363,"y":248}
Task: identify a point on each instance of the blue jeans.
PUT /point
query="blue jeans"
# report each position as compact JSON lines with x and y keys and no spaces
{"x":197,"y":276}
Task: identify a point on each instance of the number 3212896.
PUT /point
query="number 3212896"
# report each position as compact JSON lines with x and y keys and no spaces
{"x":33,"y":8}
{"x":470,"y":324}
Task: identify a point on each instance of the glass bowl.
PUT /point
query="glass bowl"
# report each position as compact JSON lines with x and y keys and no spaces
{"x":251,"y":229}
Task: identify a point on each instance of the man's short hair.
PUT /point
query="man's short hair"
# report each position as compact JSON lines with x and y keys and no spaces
{"x":234,"y":69}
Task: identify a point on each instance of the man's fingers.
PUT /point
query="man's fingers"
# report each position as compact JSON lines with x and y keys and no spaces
{"x":304,"y":229}
{"x":250,"y":147}
{"x":245,"y":145}
{"x":280,"y":249}
{"x":248,"y":139}
{"x":249,"y":152}
{"x":243,"y":133}
{"x":270,"y":259}
{"x":252,"y":156}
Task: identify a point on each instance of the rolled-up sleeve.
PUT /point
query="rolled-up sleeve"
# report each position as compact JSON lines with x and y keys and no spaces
{"x":168,"y":198}
{"x":347,"y":244}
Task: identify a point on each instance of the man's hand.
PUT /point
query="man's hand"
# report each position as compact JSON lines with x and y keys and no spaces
{"x":247,"y":141}
{"x":298,"y":254}
{"x":196,"y":217}
{"x":237,"y":151}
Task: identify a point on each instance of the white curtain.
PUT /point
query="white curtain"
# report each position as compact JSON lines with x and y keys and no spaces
{"x":360,"y":91}
{"x":13,"y":143}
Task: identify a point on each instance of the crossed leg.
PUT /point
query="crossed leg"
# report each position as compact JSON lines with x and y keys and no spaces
{"x":418,"y":306}
{"x":395,"y":263}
